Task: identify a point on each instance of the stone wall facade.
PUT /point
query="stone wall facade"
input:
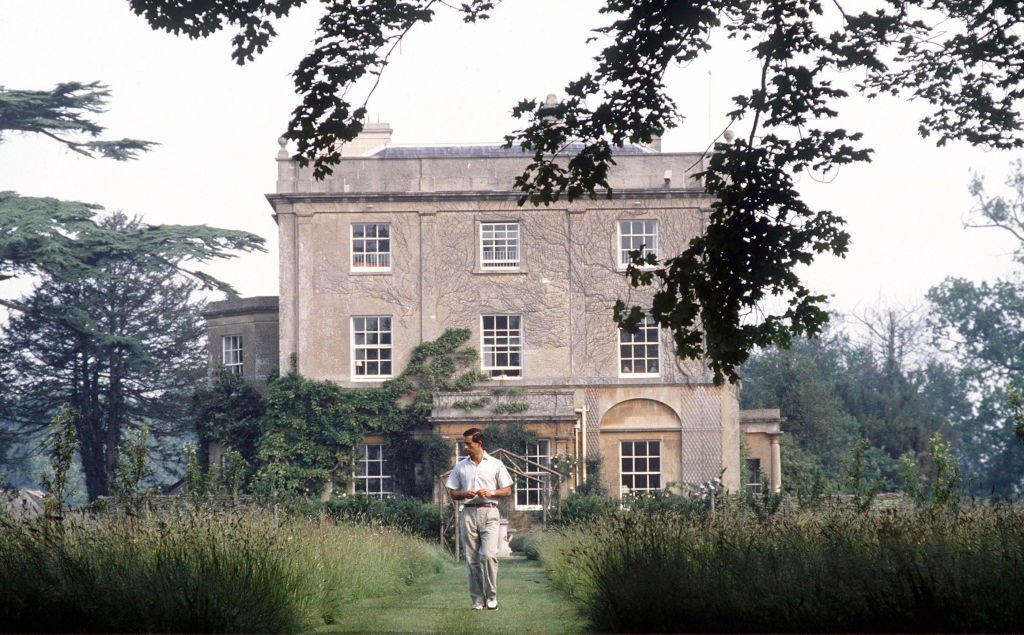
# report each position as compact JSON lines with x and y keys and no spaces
{"x":255,"y":321}
{"x":568,"y":277}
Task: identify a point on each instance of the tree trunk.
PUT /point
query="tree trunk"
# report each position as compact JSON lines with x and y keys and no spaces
{"x":115,"y":412}
{"x":91,"y":438}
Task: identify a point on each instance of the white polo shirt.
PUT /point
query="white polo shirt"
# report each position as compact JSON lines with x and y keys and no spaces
{"x":489,"y":474}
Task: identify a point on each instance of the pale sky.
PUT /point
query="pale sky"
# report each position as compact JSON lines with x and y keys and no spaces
{"x":218,"y":125}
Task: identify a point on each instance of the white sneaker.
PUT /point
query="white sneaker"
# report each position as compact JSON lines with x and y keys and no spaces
{"x":492,"y":604}
{"x":478,"y":607}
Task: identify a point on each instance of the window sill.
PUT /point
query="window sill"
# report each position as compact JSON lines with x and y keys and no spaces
{"x":502,"y":272}
{"x":624,"y":268}
{"x":639,"y":375}
{"x":366,"y":379}
{"x":370,"y":272}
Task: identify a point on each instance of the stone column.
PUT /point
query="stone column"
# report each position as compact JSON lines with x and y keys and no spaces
{"x":776,"y":478}
{"x":288,"y":282}
{"x":304,"y":298}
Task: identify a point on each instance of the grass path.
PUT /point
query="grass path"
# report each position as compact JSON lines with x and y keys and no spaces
{"x":440,"y":604}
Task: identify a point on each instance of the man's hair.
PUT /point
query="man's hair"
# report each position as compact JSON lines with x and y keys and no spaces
{"x":476,"y":434}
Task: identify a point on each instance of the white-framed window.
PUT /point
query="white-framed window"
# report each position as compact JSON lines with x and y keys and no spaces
{"x":640,"y":352}
{"x":634,"y":235}
{"x":530,"y":492}
{"x":639,"y":466}
{"x":371,"y":347}
{"x":231,"y":353}
{"x":754,"y":474}
{"x":501,"y":345}
{"x":373,"y":470}
{"x":499,"y":245}
{"x":371,"y":247}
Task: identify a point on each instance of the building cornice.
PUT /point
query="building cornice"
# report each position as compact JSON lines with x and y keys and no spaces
{"x":663,"y":193}
{"x":241,"y":306}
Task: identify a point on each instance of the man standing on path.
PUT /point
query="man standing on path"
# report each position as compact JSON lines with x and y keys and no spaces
{"x":479,"y":480}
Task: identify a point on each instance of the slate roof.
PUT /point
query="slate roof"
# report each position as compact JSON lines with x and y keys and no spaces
{"x":412,"y":152}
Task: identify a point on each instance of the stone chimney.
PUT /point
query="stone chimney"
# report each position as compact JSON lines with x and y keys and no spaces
{"x":373,"y":137}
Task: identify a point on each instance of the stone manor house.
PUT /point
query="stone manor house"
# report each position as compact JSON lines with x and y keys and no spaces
{"x":401,"y":243}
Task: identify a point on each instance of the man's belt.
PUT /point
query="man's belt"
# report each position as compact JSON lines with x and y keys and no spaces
{"x":482,"y":505}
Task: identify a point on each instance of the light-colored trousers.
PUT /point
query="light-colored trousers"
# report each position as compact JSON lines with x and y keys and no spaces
{"x":480,"y":528}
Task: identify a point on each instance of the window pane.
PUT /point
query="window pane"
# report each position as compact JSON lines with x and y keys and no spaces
{"x":637,"y":234}
{"x":501,"y":345}
{"x":640,"y":465}
{"x":371,"y":342}
{"x":643,"y":354}
{"x":371,"y":246}
{"x":372,"y":471}
{"x":499,"y":245}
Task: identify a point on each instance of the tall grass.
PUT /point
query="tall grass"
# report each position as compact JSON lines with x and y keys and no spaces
{"x":796,"y":571}
{"x":198,"y":572}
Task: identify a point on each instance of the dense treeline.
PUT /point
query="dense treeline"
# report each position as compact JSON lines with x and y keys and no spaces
{"x":886,"y":378}
{"x":954,"y":366}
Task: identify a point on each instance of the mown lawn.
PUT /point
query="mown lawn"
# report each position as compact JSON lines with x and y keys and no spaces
{"x":440,"y":604}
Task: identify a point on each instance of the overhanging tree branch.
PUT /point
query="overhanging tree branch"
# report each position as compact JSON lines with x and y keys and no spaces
{"x":63,"y":112}
{"x":967,"y":73}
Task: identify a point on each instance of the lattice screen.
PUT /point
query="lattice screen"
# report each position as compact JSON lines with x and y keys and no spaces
{"x":593,"y":425}
{"x":702,"y":434}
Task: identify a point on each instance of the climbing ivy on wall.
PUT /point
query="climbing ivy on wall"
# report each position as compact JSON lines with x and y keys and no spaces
{"x":309,"y":428}
{"x":227,"y":411}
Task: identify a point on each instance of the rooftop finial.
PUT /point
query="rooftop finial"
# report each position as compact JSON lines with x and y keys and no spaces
{"x":549,"y":111}
{"x":283,"y":152}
